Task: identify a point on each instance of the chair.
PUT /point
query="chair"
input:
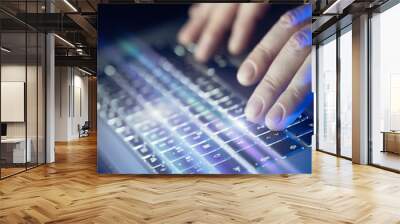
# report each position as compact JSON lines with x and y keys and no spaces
{"x":84,"y":130}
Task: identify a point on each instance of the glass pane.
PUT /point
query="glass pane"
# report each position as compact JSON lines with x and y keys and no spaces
{"x":346,"y":94}
{"x":327,"y":96}
{"x":31,"y":97}
{"x":13,"y":87}
{"x":41,"y":98}
{"x":385,"y":84}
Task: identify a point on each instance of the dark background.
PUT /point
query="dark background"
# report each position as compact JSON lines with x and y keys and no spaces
{"x":116,"y":21}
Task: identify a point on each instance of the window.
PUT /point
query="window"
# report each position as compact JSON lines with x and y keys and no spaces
{"x":385,"y":89}
{"x":327,"y":96}
{"x":346,"y":93}
{"x":22,"y":78}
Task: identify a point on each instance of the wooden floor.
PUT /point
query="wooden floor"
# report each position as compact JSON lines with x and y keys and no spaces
{"x":70,"y":191}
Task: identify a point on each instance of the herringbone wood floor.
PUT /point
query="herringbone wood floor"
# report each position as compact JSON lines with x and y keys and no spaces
{"x":70,"y":191}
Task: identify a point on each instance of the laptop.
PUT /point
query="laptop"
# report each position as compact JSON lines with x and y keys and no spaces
{"x":161,"y":112}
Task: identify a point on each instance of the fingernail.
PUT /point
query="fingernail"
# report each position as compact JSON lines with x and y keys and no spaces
{"x":247,"y":72}
{"x":275,"y":115}
{"x":254,"y":108}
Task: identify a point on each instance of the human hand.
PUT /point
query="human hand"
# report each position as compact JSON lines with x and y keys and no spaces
{"x":209,"y":22}
{"x":282,"y":62}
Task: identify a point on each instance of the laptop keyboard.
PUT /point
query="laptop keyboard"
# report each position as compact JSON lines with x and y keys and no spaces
{"x":178,"y":117}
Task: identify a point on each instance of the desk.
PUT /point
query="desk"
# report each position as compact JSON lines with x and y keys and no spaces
{"x":16,"y":147}
{"x":391,"y":141}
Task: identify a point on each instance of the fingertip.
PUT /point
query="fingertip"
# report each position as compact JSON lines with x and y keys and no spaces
{"x":273,"y":126}
{"x":276,"y":118}
{"x":246,"y":73}
{"x":233,"y":47}
{"x":200,"y":56}
{"x":254,"y":108}
{"x":203,"y":50}
{"x":184,"y":37}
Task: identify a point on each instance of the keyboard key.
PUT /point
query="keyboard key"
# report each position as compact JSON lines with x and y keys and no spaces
{"x":144,"y":151}
{"x":111,"y":114}
{"x":244,"y":123}
{"x":197,"y":108}
{"x":307,"y":138}
{"x":145,"y":89}
{"x":283,"y":148}
{"x":177,"y":120}
{"x":237,"y":111}
{"x":273,"y":136}
{"x":230,"y":102}
{"x":166,"y":144}
{"x":219,"y":94}
{"x":138,"y":119}
{"x":231,"y":167}
{"x":258,"y":129}
{"x":117,"y":122}
{"x":217,"y":156}
{"x":187,"y":129}
{"x":126,"y":111}
{"x":186,"y":101}
{"x":241,"y":143}
{"x":218,"y":61}
{"x":217,"y":126}
{"x":135,"y":141}
{"x":149,"y":125}
{"x":300,"y":118}
{"x":302,"y":127}
{"x":185,"y":163}
{"x":255,"y":155}
{"x":201,"y":80}
{"x":207,"y":118}
{"x":171,"y":85}
{"x":124,"y":131}
{"x":151,"y":96}
{"x":164,"y":108}
{"x":196,"y":138}
{"x":157,"y":134}
{"x":175,"y":153}
{"x":229,"y":135}
{"x":153,"y":160}
{"x":206,"y":147}
{"x":209,"y":86}
{"x":196,"y":169}
{"x":162,"y":169}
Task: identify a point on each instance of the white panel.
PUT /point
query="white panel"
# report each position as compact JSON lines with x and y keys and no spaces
{"x":12,"y":101}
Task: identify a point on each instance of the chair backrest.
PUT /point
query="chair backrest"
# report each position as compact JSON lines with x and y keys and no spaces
{"x":86,"y":124}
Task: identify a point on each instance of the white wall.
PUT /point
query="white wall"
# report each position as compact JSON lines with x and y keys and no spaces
{"x":16,"y":73}
{"x":70,"y":83}
{"x":33,"y":126}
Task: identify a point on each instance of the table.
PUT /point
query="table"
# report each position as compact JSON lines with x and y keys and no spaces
{"x":16,"y":147}
{"x":391,"y":141}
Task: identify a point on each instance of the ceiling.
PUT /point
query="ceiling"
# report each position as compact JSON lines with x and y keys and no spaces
{"x":76,"y":20}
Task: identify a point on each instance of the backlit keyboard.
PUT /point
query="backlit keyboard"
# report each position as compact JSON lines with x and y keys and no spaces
{"x":179,"y":117}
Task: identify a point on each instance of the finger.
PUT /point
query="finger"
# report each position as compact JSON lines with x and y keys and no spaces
{"x":293,"y":100}
{"x":248,"y":16}
{"x":280,"y":73}
{"x":191,"y":31}
{"x":220,"y":21}
{"x":257,"y":63}
{"x":194,"y":9}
